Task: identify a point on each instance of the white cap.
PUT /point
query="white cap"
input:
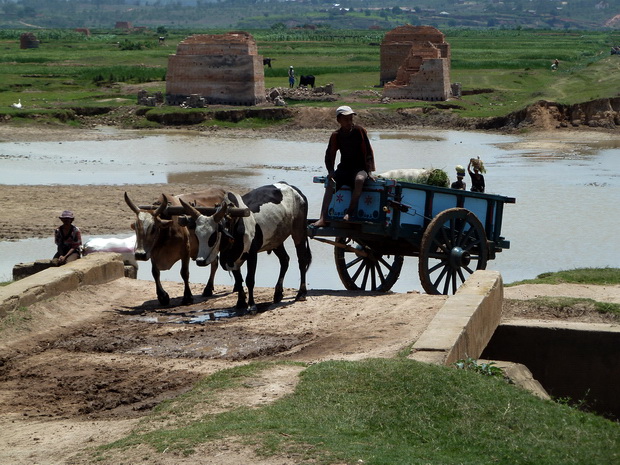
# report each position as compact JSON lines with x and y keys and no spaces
{"x":345,"y":110}
{"x":291,"y":66}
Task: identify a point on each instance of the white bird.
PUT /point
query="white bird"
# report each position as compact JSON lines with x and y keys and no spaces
{"x":18,"y":104}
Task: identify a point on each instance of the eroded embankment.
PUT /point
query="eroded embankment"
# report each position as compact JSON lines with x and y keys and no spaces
{"x":602,"y":113}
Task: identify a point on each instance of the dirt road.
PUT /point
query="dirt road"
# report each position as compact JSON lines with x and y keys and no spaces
{"x":80,"y":370}
{"x":94,"y":360}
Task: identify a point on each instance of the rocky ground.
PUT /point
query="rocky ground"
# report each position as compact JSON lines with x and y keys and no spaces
{"x":80,"y":370}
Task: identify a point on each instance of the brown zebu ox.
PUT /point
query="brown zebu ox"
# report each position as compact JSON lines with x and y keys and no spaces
{"x":165,"y":242}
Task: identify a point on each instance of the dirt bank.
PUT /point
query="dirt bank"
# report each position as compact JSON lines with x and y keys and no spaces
{"x":601,"y":113}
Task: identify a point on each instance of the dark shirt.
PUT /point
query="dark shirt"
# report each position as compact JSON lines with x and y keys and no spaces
{"x":477,"y":182}
{"x":356,"y":154}
{"x":72,"y":240}
{"x":458,"y":185}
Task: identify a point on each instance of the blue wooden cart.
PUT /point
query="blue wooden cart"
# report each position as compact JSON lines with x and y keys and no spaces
{"x":452,"y":232}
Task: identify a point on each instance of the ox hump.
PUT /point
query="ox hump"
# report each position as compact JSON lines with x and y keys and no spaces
{"x":261,"y":196}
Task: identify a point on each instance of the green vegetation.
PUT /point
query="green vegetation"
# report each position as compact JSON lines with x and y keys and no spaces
{"x":569,"y":306}
{"x":500,"y":71}
{"x":483,"y":368}
{"x":600,"y":276}
{"x":431,"y":177}
{"x":394,"y":411}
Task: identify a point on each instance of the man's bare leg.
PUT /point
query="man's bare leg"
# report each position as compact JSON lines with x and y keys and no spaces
{"x":327,"y":198}
{"x":355,"y":195}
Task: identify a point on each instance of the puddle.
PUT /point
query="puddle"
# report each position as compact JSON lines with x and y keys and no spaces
{"x":194,"y":317}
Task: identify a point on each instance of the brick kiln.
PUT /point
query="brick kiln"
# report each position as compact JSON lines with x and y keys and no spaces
{"x":415,"y":64}
{"x":221,"y":68}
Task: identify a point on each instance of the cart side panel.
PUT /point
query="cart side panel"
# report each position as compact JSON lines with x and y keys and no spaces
{"x":442,"y":202}
{"x":416,"y":200}
{"x":369,"y":207}
{"x":480,"y":208}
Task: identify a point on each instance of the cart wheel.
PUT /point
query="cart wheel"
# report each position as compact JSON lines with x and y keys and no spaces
{"x":373,"y":272}
{"x":453,"y":246}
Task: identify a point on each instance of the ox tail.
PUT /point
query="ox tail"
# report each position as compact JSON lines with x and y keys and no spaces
{"x":308,"y":253}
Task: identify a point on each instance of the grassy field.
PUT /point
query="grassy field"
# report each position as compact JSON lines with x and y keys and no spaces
{"x":597,"y":276}
{"x":69,"y":69}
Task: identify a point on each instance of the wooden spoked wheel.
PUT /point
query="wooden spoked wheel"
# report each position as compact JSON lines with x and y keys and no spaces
{"x":365,"y":270}
{"x":453,"y":246}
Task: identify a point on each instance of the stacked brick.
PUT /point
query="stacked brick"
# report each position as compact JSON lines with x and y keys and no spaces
{"x":28,"y":40}
{"x":221,"y":68}
{"x":415,"y":64}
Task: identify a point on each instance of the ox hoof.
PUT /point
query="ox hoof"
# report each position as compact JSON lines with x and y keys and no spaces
{"x":187,"y":301}
{"x":300,"y":298}
{"x":164,"y":300}
{"x":207,"y":292}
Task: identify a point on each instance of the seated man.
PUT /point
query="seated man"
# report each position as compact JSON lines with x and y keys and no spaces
{"x":357,"y":162}
{"x":68,"y":239}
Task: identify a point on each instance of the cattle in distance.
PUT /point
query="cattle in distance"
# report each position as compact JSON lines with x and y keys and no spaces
{"x":305,"y":81}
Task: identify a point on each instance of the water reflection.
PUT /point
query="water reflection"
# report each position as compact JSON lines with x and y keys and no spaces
{"x":566,"y":214}
{"x":209,"y":178}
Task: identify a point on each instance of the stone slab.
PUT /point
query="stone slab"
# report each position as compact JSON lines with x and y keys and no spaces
{"x":464,"y":325}
{"x":93,"y":269}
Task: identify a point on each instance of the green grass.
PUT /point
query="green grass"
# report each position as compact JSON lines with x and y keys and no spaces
{"x":568,"y":306}
{"x":599,"y":276}
{"x":390,"y":411}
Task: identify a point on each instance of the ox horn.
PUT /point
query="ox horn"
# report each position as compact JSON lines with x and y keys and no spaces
{"x":190,"y":210}
{"x":131,"y":205}
{"x":162,"y":208}
{"x":221,"y":211}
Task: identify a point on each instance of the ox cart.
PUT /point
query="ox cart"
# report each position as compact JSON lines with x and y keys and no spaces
{"x":452,"y":232}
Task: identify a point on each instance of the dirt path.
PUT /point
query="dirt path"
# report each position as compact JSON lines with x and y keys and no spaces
{"x":80,"y":370}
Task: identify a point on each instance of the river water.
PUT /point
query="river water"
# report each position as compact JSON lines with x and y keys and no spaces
{"x":567,"y":212}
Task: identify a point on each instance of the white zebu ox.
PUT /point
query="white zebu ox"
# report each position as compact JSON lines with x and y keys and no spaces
{"x":277,"y":212}
{"x":165,"y":242}
{"x":125,"y":247}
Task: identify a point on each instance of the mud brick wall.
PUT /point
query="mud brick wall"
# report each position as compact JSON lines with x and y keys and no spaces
{"x":223,"y":69}
{"x":398,"y":42}
{"x":415,"y":64}
{"x":392,"y":56}
{"x":426,"y":84}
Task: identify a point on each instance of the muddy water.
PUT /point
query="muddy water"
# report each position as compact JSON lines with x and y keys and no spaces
{"x":566,"y":216}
